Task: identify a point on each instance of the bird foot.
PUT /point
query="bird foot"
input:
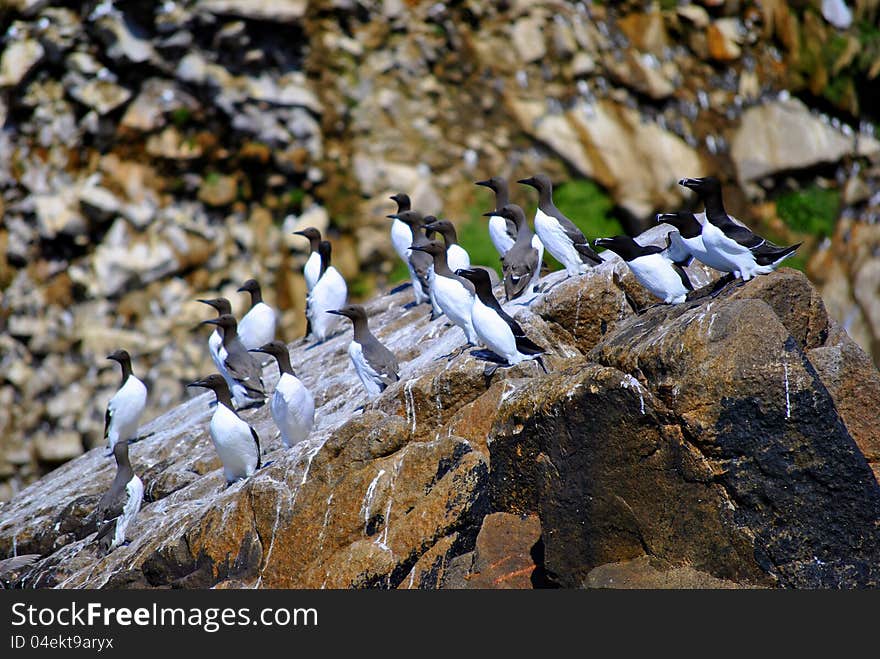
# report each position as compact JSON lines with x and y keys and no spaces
{"x":410,"y":305}
{"x":400,"y":287}
{"x":140,"y":438}
{"x":435,"y":315}
{"x":488,"y":372}
{"x":455,"y":353}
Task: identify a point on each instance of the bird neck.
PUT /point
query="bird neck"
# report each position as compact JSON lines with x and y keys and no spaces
{"x":126,"y":369}
{"x":545,"y":200}
{"x":441,"y":266}
{"x":325,"y":263}
{"x":256,"y":297}
{"x":229,"y":335}
{"x":124,"y":472}
{"x":502,"y":197}
{"x":361,"y":329}
{"x":314,"y":243}
{"x":715,"y":207}
{"x":283,"y":359}
{"x":223,"y":397}
{"x":449,"y":236}
{"x":486,"y":297}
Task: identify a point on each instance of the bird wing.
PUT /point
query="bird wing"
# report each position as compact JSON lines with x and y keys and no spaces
{"x":676,"y":250}
{"x":108,"y":417}
{"x":742,"y":235}
{"x":518,"y":272}
{"x":510,"y":227}
{"x":576,"y":236}
{"x":244,"y":368}
{"x":383,"y":361}
{"x":257,"y":442}
{"x":685,"y":280}
{"x":421,"y":263}
{"x":110,"y":505}
{"x":769,"y":254}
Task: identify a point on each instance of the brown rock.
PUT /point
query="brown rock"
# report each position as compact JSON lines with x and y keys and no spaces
{"x":503,"y":556}
{"x":651,"y":572}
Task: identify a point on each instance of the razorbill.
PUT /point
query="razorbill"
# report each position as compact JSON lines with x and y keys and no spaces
{"x":235,"y":441}
{"x":125,"y":408}
{"x":456,"y":255}
{"x":652,"y":267}
{"x":375,"y":364}
{"x":329,"y":293}
{"x":257,"y":326}
{"x":292,"y":404}
{"x":454,"y":294}
{"x":521,"y":265}
{"x":312,"y":268}
{"x":243,"y":369}
{"x":418,"y":263}
{"x":119,"y":505}
{"x":729,"y":246}
{"x":559,"y":234}
{"x":496,"y":329}
{"x":502,"y":231}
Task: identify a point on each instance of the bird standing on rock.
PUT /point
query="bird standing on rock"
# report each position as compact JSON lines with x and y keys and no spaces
{"x":292,"y":404}
{"x":257,"y":326}
{"x":502,"y":231}
{"x":652,"y":267}
{"x":235,"y":441}
{"x":419,"y":264}
{"x":375,"y":364}
{"x":559,"y":234}
{"x":128,"y":403}
{"x":312,"y":268}
{"x":454,"y":294}
{"x":120,"y":504}
{"x":329,"y":293}
{"x":401,"y":235}
{"x":243,"y":369}
{"x":728,"y":246}
{"x":522,"y":263}
{"x":495,"y":328}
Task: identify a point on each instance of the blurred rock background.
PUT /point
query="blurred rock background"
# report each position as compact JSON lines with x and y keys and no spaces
{"x":156,"y":152}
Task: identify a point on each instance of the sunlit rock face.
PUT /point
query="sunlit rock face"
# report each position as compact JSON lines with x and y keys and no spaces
{"x":714,"y":443}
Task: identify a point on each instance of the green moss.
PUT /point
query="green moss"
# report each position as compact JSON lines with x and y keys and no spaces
{"x":360,"y":288}
{"x":587,"y":205}
{"x":180,"y":116}
{"x":398,"y":273}
{"x":293,"y":198}
{"x":812,"y":211}
{"x":212,"y":178}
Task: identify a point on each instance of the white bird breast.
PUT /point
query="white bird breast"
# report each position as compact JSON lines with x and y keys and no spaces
{"x":126,"y":408}
{"x":401,"y":239}
{"x":727,"y":255}
{"x":134,"y":490}
{"x":257,"y":328}
{"x":456,"y":302}
{"x":293,"y":409}
{"x":457,"y":258}
{"x":368,"y":375}
{"x":312,"y":270}
{"x":329,"y":293}
{"x":494,"y":332}
{"x":656,"y":273}
{"x":557,"y":242}
{"x":234,"y":443}
{"x":498,"y":234}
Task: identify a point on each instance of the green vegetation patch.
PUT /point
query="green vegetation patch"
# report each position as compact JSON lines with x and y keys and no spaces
{"x":813,"y":210}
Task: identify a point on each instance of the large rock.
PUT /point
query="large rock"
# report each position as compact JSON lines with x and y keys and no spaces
{"x":783,"y":135}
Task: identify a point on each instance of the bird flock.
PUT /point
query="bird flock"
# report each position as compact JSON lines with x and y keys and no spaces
{"x":442,"y":275}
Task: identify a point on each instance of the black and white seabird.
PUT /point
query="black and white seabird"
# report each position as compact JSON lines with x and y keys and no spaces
{"x":456,"y":255}
{"x":375,"y":364}
{"x":496,"y":329}
{"x":292,"y":404}
{"x":419,"y":263}
{"x":652,"y":267}
{"x":521,"y":265}
{"x":401,"y":235}
{"x":235,"y":441}
{"x":559,"y":234}
{"x":502,"y":231}
{"x":728,"y":246}
{"x":312,"y":268}
{"x":120,"y":504}
{"x":454,"y":294}
{"x":215,"y":341}
{"x":244,"y":370}
{"x":257,"y":326}
{"x":125,"y":408}
{"x":330,"y":292}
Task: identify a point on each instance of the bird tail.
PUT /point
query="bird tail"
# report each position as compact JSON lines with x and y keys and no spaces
{"x":528,"y":347}
{"x":772,"y":255}
{"x":588,"y":255}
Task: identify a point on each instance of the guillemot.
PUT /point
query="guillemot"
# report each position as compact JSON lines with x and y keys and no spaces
{"x":257,"y":326}
{"x":454,"y":294}
{"x":729,"y":246}
{"x":244,"y":370}
{"x":329,"y":293}
{"x":419,"y":264}
{"x":215,"y":341}
{"x":521,"y":265}
{"x":559,"y":234}
{"x":292,"y":404}
{"x":120,"y":504}
{"x":456,"y":255}
{"x":312,"y":268}
{"x":126,"y":406}
{"x":375,"y":364}
{"x":401,"y":235}
{"x":502,"y":231}
{"x":495,"y":328}
{"x":652,"y":267}
{"x":235,"y":441}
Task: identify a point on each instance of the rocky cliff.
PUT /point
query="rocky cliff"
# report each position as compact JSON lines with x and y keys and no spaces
{"x":725,"y":442}
{"x":156,"y":152}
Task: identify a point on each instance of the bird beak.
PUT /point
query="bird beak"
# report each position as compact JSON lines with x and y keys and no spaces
{"x":208,"y":302}
{"x":527,"y":181}
{"x":431,"y":226}
{"x":663,"y":217}
{"x":483,"y":183}
{"x":337,"y":312}
{"x":197,"y":383}
{"x":393,"y":216}
{"x":602,"y":242}
{"x":490,"y":214}
{"x":212,"y":321}
{"x":300,"y":233}
{"x":689,"y":182}
{"x":241,"y":290}
{"x":417,"y":248}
